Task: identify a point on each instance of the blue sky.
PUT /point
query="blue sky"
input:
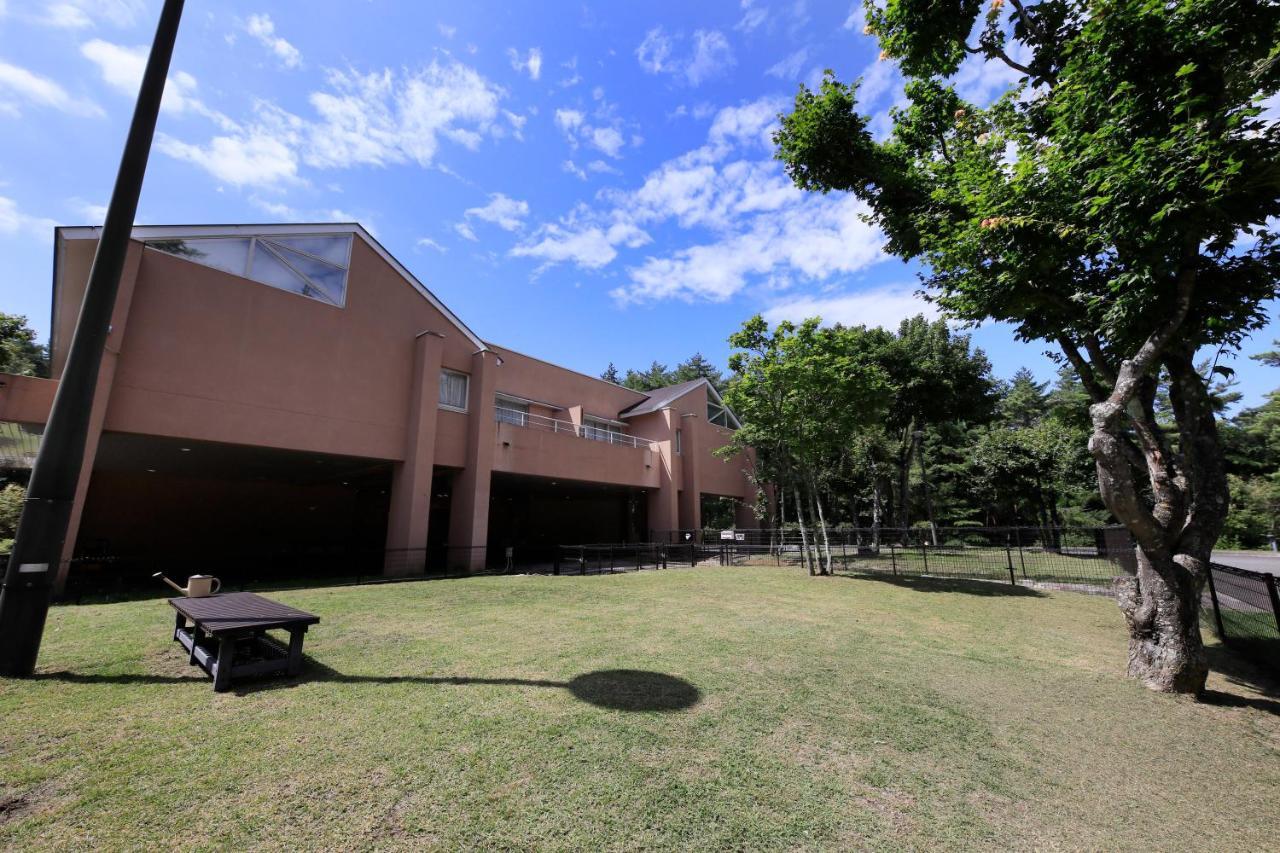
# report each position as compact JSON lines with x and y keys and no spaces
{"x":582,"y":182}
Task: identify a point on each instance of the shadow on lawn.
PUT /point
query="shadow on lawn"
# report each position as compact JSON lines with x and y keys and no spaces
{"x":617,"y":689}
{"x":942,"y":584}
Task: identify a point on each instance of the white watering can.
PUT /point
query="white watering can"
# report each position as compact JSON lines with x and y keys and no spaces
{"x":198,"y":586}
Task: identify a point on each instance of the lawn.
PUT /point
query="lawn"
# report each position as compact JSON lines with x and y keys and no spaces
{"x":781,"y":711}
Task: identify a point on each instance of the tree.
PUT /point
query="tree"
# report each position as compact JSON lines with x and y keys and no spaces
{"x":799,"y":392}
{"x":611,"y":374}
{"x":1023,"y":401}
{"x":657,"y":376}
{"x":697,"y":367}
{"x":1114,"y":204}
{"x":934,"y":378}
{"x":20,"y":354}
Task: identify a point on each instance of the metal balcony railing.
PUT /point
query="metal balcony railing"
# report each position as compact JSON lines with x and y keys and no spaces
{"x":515,"y":417}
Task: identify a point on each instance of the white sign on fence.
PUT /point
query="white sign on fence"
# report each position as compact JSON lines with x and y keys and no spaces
{"x":726,"y":534}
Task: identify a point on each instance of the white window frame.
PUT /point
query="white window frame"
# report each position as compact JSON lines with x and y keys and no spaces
{"x":598,"y":429}
{"x":511,"y":411}
{"x":466,"y":390}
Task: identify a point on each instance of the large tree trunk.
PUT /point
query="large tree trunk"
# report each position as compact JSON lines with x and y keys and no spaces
{"x":1162,"y":608}
{"x":1178,"y":513}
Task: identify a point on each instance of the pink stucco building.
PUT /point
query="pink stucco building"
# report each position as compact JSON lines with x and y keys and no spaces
{"x":293,"y":386}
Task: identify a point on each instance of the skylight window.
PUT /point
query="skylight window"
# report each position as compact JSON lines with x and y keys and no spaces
{"x":311,"y":266}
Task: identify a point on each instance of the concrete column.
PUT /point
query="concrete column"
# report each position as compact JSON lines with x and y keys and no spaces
{"x":411,"y":479}
{"x":690,"y":484}
{"x":469,"y":508}
{"x":101,"y":404}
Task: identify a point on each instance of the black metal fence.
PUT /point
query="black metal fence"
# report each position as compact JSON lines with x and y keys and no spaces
{"x":1243,"y":610}
{"x":1080,"y":569}
{"x":622,"y":557}
{"x":114,"y":577}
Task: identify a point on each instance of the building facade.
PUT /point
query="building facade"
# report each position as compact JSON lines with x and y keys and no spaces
{"x":285,"y":387}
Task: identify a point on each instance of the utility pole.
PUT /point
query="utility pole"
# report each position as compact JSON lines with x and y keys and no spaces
{"x":37,"y":549}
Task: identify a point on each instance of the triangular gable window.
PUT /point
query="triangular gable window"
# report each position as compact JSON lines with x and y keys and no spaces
{"x":311,"y":266}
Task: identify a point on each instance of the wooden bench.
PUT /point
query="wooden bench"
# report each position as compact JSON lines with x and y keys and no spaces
{"x":236,"y":623}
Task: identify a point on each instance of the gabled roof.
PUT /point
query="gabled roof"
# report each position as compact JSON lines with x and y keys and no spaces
{"x":162,"y":232}
{"x":661,"y":398}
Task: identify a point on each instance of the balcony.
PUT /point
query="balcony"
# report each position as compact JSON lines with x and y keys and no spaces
{"x":539,"y":446}
{"x":515,"y":417}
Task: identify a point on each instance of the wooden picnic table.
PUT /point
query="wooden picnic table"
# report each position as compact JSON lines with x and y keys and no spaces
{"x":232,"y":623}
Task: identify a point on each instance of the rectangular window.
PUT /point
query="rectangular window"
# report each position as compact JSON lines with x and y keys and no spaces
{"x":453,"y":390}
{"x":510,"y":411}
{"x":598,"y":430}
{"x":679,"y":442}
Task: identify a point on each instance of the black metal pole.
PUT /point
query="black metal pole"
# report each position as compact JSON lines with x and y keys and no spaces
{"x":37,"y":549}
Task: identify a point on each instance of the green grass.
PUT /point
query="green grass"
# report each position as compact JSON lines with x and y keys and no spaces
{"x":831,"y":713}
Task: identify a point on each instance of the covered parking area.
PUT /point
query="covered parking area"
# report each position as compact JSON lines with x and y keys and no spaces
{"x":239,"y":512}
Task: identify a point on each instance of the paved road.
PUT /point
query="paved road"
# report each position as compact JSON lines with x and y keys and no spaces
{"x":1258,"y":561}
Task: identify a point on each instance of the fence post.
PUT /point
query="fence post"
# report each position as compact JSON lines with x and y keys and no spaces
{"x":1008,"y":558}
{"x":844,"y":552}
{"x":555,"y":569}
{"x":638,"y":566}
{"x":1217,"y":613}
{"x":662,"y":551}
{"x":924,"y":552}
{"x":611,"y":559}
{"x":1275,"y":598}
{"x":893,"y":557}
{"x":1021,"y":559}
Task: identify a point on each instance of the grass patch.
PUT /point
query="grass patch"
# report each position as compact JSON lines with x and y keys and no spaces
{"x":791,"y":712}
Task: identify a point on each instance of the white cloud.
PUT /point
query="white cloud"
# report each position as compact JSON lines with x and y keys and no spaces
{"x":448,"y":32}
{"x":589,"y":248}
{"x":857,"y":19}
{"x":428,"y":243}
{"x":361,"y":119}
{"x":263,"y":29}
{"x":32,"y":88}
{"x":569,"y":120}
{"x":122,"y":67}
{"x":789,"y":67}
{"x":531,"y":63}
{"x":601,"y":167}
{"x":90,"y":212}
{"x":464,"y":230}
{"x":379,"y":118}
{"x":752,"y":16}
{"x":14,"y":222}
{"x":81,"y":14}
{"x":885,"y":307}
{"x":607,"y":140}
{"x":507,"y":213}
{"x":66,"y":16}
{"x":757,"y":227}
{"x":574,"y":169}
{"x":711,"y":55}
{"x":816,"y":238}
{"x":980,"y":80}
{"x":255,"y":158}
{"x":654,"y":51}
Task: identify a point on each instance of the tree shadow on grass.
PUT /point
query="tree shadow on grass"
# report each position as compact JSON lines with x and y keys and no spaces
{"x":934,"y":583}
{"x":616,"y":689}
{"x":1242,"y":672}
